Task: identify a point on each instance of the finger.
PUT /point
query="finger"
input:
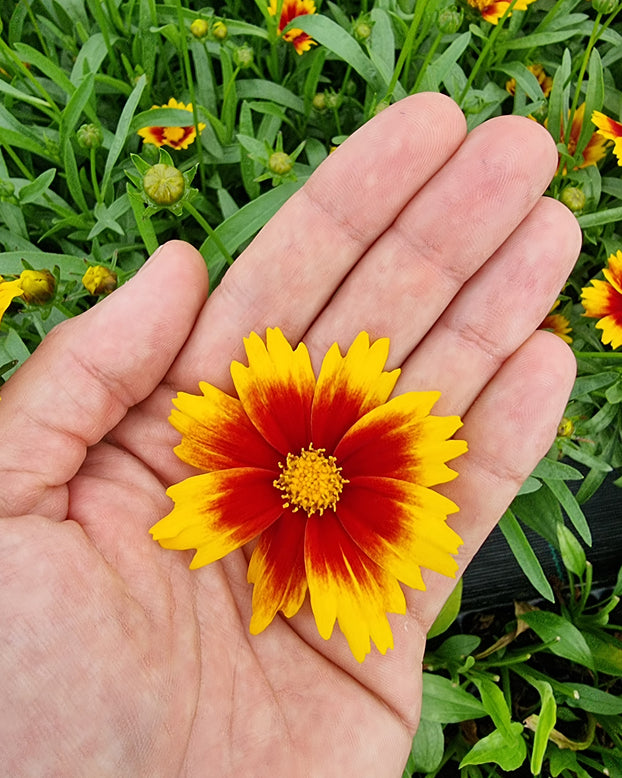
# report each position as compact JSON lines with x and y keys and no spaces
{"x":448,"y":230}
{"x":498,"y":309}
{"x":85,"y":375}
{"x":509,"y":428}
{"x":297,"y":261}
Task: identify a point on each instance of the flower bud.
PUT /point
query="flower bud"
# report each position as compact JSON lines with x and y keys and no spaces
{"x":219,"y":31}
{"x":199,"y":28}
{"x":7,"y":189}
{"x":362,"y":30}
{"x":565,"y":428}
{"x":99,"y":280}
{"x":243,"y":56}
{"x":605,"y":6}
{"x":38,"y":285}
{"x":164,"y":184}
{"x":319,"y":101}
{"x":573,"y":198}
{"x":333,"y":100}
{"x":449,"y":20}
{"x":89,"y":136}
{"x":280,"y":163}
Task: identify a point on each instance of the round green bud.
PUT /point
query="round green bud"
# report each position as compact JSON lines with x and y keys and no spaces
{"x":573,"y":198}
{"x":605,"y":6}
{"x":449,"y":20}
{"x":89,"y":136}
{"x":243,"y":56}
{"x":319,"y":101}
{"x":280,"y":163}
{"x":362,"y":30}
{"x":164,"y":184}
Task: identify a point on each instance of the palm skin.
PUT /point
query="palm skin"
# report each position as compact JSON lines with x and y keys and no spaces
{"x":118,"y":660}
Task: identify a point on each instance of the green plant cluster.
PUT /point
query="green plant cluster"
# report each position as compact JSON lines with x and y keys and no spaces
{"x":78,"y":79}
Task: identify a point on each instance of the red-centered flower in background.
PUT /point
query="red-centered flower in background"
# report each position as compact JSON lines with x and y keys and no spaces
{"x":176,"y":137}
{"x":492,"y":12}
{"x":603,"y":301}
{"x":332,"y":478}
{"x":611,"y":130}
{"x":290,"y":10}
{"x":8,"y":290}
{"x":558,"y":324}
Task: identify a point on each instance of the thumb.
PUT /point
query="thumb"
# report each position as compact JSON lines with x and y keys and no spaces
{"x":87,"y":372}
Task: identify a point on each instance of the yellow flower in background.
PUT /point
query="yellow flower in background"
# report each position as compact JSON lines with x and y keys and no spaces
{"x":8,"y":291}
{"x":331,"y":477}
{"x":492,"y":12}
{"x":176,"y":137}
{"x":603,"y":301}
{"x":557,"y":324}
{"x":290,"y":10}
{"x":610,"y":130}
{"x":546,"y":82}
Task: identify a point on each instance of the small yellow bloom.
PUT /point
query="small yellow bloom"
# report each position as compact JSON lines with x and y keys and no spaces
{"x":38,"y":285}
{"x":557,"y":324}
{"x":492,"y":12}
{"x":8,"y":290}
{"x":610,"y":130}
{"x":546,"y":82}
{"x":290,"y":10}
{"x":603,"y":301}
{"x":99,"y":280}
{"x":199,"y":28}
{"x":176,"y":137}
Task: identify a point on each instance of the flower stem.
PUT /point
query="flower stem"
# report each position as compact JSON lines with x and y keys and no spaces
{"x":212,"y":234}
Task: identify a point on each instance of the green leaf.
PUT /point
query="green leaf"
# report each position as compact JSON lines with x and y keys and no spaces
{"x":591,"y":383}
{"x":73,"y":111}
{"x":449,"y":612}
{"x":121,"y":133}
{"x":569,"y":642}
{"x":330,"y":34}
{"x":524,"y":78}
{"x":439,"y":70}
{"x":258,"y":89}
{"x":525,"y":555}
{"x":560,"y":96}
{"x":12,"y":349}
{"x":496,"y":706}
{"x":30,"y":192}
{"x":428,"y":747}
{"x":552,"y":469}
{"x":446,"y":702}
{"x":546,"y":722}
{"x":569,"y":503}
{"x":594,"y":96}
{"x":595,"y":700}
{"x":606,"y":652}
{"x":161,"y":117}
{"x":571,"y":550}
{"x":457,"y":647}
{"x":508,"y":752}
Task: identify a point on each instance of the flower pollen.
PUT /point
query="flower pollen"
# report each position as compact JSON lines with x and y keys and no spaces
{"x":310,"y":480}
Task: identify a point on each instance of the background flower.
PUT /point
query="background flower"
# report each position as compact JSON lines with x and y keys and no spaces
{"x":603,"y":301}
{"x":611,"y":130}
{"x":290,"y":10}
{"x":176,"y":137}
{"x":332,"y":478}
{"x":8,"y":291}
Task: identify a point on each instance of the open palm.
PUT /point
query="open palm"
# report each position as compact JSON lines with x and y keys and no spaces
{"x":118,"y":660}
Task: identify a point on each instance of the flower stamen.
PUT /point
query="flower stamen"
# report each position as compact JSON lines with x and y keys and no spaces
{"x":310,"y":480}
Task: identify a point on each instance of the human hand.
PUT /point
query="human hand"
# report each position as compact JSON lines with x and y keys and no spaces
{"x":118,"y":660}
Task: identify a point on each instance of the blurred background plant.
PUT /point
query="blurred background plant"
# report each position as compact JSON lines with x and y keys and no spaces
{"x":124,"y":123}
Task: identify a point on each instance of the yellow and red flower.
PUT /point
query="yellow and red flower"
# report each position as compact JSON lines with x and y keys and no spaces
{"x":546,"y":82}
{"x":290,"y":10}
{"x":603,"y":301}
{"x":176,"y":137}
{"x":558,"y":324}
{"x":610,"y":130}
{"x":596,"y":147}
{"x":8,"y":291}
{"x":492,"y":12}
{"x":332,"y":478}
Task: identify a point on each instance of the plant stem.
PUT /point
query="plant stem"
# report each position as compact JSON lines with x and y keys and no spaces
{"x":212,"y":234}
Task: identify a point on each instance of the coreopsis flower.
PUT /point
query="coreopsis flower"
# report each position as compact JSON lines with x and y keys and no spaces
{"x":99,"y":280}
{"x":546,"y":82}
{"x":492,"y":12}
{"x":290,"y":10}
{"x":610,"y":130}
{"x":176,"y":137}
{"x":596,"y":146}
{"x":331,"y":477}
{"x":558,"y":324}
{"x":8,"y":291}
{"x":603,"y":301}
